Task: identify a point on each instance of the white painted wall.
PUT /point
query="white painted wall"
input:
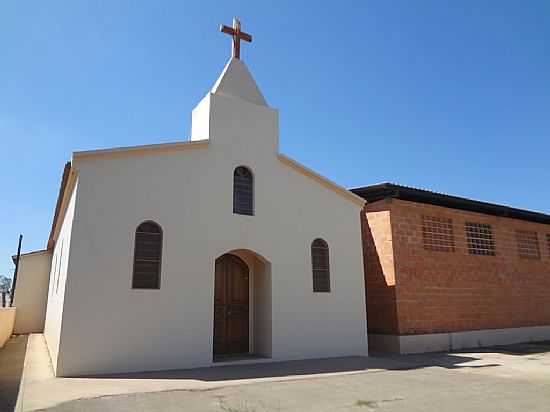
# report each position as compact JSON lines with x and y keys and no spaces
{"x":57,"y":282}
{"x":31,"y":295}
{"x":262,"y":309}
{"x":7,"y":320}
{"x":109,"y":327}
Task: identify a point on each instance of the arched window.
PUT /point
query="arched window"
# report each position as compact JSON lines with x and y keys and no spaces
{"x":147,"y":256}
{"x":320,"y":266}
{"x":243,"y":191}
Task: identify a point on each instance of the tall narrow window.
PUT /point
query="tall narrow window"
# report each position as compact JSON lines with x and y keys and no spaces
{"x":528,"y":244}
{"x":480,"y":239}
{"x":147,"y":256}
{"x":243,"y":191}
{"x":320,"y":266}
{"x":548,"y":242}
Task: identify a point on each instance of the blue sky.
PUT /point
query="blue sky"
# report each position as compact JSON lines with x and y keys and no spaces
{"x":448,"y":96}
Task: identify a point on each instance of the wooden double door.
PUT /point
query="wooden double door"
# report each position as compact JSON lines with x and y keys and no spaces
{"x":231,"y":299}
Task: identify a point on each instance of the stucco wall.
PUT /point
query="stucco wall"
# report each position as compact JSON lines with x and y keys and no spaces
{"x":58,"y":281}
{"x":262,"y":309}
{"x":31,"y":294}
{"x":108,"y":327}
{"x":7,"y":319}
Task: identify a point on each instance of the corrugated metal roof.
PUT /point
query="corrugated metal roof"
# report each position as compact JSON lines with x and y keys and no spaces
{"x":385,"y":190}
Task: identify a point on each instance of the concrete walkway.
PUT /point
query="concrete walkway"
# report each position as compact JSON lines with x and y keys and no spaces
{"x":508,"y":378}
{"x":12,"y":358}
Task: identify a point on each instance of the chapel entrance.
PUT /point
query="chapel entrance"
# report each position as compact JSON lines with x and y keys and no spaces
{"x":231,"y":301}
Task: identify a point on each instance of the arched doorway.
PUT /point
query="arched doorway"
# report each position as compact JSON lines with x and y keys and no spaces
{"x":231,"y":306}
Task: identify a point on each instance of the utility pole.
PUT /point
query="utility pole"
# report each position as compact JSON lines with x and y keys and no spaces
{"x":12,"y":295}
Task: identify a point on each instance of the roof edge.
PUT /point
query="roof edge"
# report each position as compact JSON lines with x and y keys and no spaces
{"x":385,"y":190}
{"x":64,"y":179}
{"x":321,"y":179}
{"x":141,"y":148}
{"x":34,"y":252}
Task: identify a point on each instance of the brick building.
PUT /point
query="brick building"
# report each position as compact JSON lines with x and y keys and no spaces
{"x":444,"y":272}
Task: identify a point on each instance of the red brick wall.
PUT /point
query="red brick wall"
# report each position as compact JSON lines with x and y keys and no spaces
{"x":378,"y":259}
{"x":451,"y":291}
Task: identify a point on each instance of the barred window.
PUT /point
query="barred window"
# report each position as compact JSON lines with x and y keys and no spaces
{"x":480,"y":239}
{"x":438,"y":234}
{"x":548,"y":242}
{"x":320,"y":266}
{"x":528,"y":244}
{"x":147,"y":256}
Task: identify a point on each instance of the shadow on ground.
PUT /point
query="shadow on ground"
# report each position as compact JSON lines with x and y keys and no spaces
{"x":12,"y":359}
{"x":305,"y":367}
{"x":519,"y":349}
{"x":339,"y":365}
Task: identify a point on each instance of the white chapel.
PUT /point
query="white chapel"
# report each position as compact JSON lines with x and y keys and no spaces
{"x":203,"y":252}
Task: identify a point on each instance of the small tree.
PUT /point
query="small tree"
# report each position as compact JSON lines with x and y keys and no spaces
{"x":5,"y":287}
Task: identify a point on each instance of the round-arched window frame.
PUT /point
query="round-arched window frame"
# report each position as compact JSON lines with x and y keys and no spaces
{"x":147,"y":256}
{"x":320,"y":265}
{"x":243,"y":191}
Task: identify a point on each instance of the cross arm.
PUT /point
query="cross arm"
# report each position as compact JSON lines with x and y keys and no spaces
{"x":229,"y":30}
{"x":245,"y":36}
{"x":226,"y":29}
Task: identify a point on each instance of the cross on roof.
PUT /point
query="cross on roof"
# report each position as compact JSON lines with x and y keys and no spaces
{"x":237,"y":35}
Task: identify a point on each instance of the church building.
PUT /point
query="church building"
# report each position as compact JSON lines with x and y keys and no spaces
{"x":222,"y":250}
{"x":189,"y":254}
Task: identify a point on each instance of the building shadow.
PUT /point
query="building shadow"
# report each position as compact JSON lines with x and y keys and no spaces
{"x":517,"y":349}
{"x":12,"y":359}
{"x":289,"y":369}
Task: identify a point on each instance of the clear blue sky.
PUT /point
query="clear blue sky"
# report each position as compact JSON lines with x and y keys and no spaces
{"x":448,"y":96}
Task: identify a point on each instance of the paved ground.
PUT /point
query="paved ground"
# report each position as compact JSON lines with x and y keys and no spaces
{"x":513,"y":378}
{"x":12,"y":357}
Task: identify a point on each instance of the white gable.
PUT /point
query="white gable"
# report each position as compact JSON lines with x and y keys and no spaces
{"x":188,"y":190}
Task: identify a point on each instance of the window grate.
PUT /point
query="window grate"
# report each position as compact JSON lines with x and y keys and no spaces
{"x":528,"y":244}
{"x":480,"y":239}
{"x":438,"y":234}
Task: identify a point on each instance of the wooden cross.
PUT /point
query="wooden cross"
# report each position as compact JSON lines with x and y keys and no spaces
{"x":237,"y":35}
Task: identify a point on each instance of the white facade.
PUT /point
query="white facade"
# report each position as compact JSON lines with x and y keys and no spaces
{"x":32,"y":291}
{"x":96,"y":323}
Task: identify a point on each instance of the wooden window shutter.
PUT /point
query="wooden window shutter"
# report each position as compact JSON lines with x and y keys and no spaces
{"x":243,"y":191}
{"x":320,"y":266}
{"x":147,"y":256}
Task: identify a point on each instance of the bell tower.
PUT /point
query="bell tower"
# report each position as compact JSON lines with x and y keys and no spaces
{"x":235,"y":111}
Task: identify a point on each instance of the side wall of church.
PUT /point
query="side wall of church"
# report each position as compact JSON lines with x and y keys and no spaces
{"x":60,"y":266}
{"x":453,"y":291}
